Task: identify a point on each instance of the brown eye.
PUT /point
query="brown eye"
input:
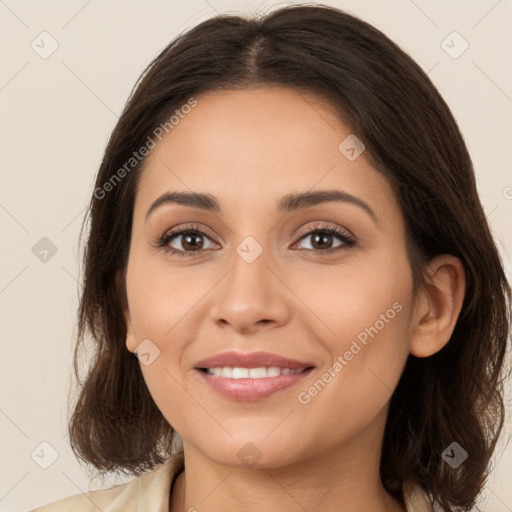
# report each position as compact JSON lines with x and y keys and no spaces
{"x":323,"y":238}
{"x":320,"y":240}
{"x":185,"y":241}
{"x":192,"y":241}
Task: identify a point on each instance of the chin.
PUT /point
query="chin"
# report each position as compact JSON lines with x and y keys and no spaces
{"x":253,"y":452}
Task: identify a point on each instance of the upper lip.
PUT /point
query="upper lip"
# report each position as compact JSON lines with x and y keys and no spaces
{"x":251,"y":360}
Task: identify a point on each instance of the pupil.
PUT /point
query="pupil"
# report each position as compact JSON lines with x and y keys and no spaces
{"x":189,"y":241}
{"x":321,"y":238}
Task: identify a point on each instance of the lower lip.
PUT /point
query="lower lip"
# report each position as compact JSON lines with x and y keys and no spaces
{"x":252,"y":389}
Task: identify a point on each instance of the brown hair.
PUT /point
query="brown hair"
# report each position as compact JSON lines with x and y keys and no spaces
{"x":412,"y":138}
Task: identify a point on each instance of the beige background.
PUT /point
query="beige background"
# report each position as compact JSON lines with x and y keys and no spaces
{"x":57,"y":114}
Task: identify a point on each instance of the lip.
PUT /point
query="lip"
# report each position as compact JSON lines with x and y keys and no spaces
{"x":251,"y":360}
{"x":251,"y":389}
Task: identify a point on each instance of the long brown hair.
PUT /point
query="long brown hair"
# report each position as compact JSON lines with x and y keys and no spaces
{"x":412,"y":138}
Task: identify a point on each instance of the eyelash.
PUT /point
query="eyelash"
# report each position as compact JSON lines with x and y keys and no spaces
{"x":348,"y":240}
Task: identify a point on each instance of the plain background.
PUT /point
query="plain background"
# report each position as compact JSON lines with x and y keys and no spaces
{"x":57,"y":114}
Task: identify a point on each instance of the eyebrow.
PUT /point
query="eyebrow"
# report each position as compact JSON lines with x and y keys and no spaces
{"x":289,"y":203}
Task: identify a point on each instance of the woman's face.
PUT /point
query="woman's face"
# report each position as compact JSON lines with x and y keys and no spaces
{"x":268,"y":277}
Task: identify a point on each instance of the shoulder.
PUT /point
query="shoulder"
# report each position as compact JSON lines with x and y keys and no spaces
{"x":151,"y":490}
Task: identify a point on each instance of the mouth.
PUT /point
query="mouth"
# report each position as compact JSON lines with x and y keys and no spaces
{"x":251,"y":377}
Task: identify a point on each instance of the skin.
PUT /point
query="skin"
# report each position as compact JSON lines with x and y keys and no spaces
{"x":250,"y":148}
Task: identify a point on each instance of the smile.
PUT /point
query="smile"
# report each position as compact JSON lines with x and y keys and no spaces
{"x":251,"y":376}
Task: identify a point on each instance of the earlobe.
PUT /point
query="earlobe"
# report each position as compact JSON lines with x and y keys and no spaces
{"x":438,"y":306}
{"x":131,"y":342}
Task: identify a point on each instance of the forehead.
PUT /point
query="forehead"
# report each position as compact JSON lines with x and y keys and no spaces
{"x":260,"y":143}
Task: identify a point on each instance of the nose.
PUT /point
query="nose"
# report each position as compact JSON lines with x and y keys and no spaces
{"x":252,"y":296}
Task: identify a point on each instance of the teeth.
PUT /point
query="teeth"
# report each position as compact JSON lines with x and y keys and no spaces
{"x":227,"y":372}
{"x":273,"y":372}
{"x":257,"y":373}
{"x":251,"y":373}
{"x":240,"y":373}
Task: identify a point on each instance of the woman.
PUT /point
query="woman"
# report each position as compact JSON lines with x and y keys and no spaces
{"x":286,"y":233}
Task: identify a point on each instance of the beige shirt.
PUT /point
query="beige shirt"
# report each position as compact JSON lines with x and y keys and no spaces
{"x":151,"y":492}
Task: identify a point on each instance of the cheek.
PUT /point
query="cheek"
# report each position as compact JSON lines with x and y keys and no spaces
{"x":367,"y":296}
{"x":355,"y":387}
{"x":375,"y":328}
{"x":368,"y":309}
{"x":161,"y":295}
{"x":163,"y":302}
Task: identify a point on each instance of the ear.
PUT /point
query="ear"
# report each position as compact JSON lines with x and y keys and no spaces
{"x":131,"y":342}
{"x":438,"y":305}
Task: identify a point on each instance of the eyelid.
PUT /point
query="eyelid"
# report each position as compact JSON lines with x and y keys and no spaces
{"x":324,"y":226}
